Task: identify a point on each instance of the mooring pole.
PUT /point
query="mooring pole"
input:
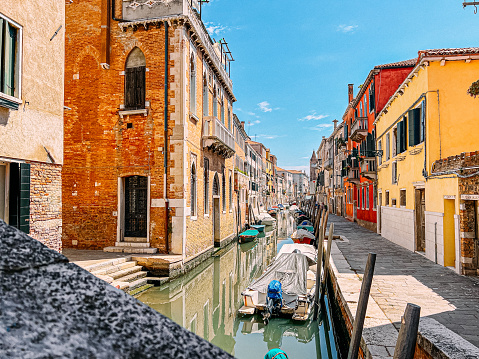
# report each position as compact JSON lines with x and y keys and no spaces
{"x":319,"y":261}
{"x":362,"y":307}
{"x":326,"y":260}
{"x":406,"y":343}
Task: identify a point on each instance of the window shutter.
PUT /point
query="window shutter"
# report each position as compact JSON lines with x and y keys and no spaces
{"x":135,"y":88}
{"x":371,"y":98}
{"x":140,"y":87}
{"x":398,"y":137}
{"x":24,"y":224}
{"x":422,"y":127}
{"x":10,"y":38}
{"x":404,"y":135}
{"x":414,"y":117}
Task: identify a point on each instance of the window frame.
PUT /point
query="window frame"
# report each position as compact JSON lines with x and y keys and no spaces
{"x":9,"y":101}
{"x":193,"y":80}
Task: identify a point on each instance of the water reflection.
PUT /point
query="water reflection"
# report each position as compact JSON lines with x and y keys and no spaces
{"x":207,"y":299}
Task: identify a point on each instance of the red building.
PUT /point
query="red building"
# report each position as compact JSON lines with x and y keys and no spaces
{"x":359,"y":168}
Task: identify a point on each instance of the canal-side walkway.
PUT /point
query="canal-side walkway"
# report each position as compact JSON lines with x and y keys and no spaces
{"x":447,"y":300}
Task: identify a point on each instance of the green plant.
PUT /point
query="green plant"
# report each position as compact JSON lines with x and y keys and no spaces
{"x":473,"y":91}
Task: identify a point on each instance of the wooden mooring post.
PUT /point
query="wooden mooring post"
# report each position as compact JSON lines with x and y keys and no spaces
{"x":362,"y":307}
{"x":406,"y":343}
{"x":319,"y":261}
{"x":326,"y":261}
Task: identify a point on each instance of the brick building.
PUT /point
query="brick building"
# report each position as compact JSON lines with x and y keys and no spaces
{"x":148,"y":142}
{"x":31,"y":117}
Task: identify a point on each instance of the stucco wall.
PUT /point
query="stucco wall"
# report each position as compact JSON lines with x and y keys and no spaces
{"x":38,"y":122}
{"x":397,"y":225}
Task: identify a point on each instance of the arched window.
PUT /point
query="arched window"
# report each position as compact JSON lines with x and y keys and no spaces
{"x":192,"y":85}
{"x":224,"y":190}
{"x":135,"y":73}
{"x":205,"y":96}
{"x":216,"y":185}
{"x":207,"y":186}
{"x":193,"y":190}
{"x":215,"y":103}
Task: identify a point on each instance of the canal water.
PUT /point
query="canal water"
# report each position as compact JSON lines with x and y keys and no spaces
{"x":206,"y":302}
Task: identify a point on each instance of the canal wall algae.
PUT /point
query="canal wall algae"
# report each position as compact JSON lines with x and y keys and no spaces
{"x":52,"y":308}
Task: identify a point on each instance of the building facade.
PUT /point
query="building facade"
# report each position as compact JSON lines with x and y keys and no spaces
{"x":31,"y":118}
{"x":427,"y":183}
{"x":148,"y":143}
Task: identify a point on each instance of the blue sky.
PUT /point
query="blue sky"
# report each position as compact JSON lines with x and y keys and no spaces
{"x":294,"y":59}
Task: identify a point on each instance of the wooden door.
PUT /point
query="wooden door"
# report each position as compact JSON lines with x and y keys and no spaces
{"x":420,"y":220}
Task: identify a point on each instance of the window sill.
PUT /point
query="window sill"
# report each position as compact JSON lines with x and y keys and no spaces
{"x":224,"y":212}
{"x":123,"y":113}
{"x":206,"y":215}
{"x":194,"y":218}
{"x":9,"y":102}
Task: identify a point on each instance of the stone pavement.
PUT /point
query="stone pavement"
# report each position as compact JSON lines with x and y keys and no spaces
{"x":402,"y":277}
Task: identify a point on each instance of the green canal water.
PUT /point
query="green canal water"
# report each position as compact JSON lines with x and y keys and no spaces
{"x":206,"y":302}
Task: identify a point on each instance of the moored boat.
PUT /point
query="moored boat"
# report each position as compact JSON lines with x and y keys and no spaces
{"x":248,"y":236}
{"x":286,"y":288}
{"x":258,"y":227}
{"x":303,"y":236}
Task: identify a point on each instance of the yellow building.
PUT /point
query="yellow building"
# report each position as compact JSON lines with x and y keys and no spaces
{"x":430,"y":117}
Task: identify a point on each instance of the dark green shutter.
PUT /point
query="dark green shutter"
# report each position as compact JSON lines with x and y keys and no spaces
{"x":414,"y":117}
{"x":404,"y":135}
{"x":2,"y":61}
{"x":422,"y":127}
{"x":398,"y":137}
{"x":10,"y":38}
{"x":24,"y":224}
{"x":371,"y":98}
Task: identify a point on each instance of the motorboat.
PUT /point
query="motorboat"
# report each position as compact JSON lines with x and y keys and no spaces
{"x":303,"y":236}
{"x":258,"y":227}
{"x":286,"y":288}
{"x":248,"y":236}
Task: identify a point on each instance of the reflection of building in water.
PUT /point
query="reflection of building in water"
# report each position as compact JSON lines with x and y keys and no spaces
{"x":208,"y":307}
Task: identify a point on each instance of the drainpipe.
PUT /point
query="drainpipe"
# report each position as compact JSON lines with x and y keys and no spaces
{"x":165,"y":165}
{"x":435,"y":242}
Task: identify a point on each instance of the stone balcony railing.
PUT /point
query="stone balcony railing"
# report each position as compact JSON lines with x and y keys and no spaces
{"x":368,"y":168}
{"x":217,"y":137}
{"x":359,"y":129}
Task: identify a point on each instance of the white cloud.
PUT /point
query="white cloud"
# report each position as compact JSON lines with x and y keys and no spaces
{"x":312,"y":117}
{"x":265,"y":106}
{"x":218,"y":29}
{"x":251,"y":113}
{"x":347,"y":28}
{"x":269,"y":137}
{"x":321,"y":127}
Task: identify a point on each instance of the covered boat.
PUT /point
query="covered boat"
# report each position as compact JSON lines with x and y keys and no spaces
{"x":308,"y":250}
{"x":258,"y":227}
{"x":286,"y":288}
{"x":303,"y":236}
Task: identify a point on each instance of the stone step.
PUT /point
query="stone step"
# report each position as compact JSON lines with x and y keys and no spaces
{"x":136,"y":239}
{"x":138,"y":290}
{"x":124,"y":286}
{"x":136,"y":284}
{"x":140,"y":250}
{"x":137,"y":250}
{"x":106,"y":278}
{"x":122,"y":273}
{"x":133,"y":277}
{"x":114,"y":268}
{"x":112,"y":262}
{"x":132,"y":244}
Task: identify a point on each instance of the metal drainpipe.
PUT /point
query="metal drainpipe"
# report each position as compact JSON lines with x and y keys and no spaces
{"x":435,"y":242}
{"x":165,"y":165}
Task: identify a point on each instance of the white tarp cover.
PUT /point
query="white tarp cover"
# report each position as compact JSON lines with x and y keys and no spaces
{"x":290,"y":269}
{"x":300,"y":233}
{"x":308,"y":250}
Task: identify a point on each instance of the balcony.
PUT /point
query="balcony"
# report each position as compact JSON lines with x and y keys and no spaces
{"x":217,"y":138}
{"x":368,"y":168}
{"x":328,"y":164}
{"x":359,"y":129}
{"x":353,"y":175}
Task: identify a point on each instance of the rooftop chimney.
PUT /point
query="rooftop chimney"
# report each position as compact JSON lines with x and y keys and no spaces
{"x":335,"y":123}
{"x":242,"y":124}
{"x":350,"y":92}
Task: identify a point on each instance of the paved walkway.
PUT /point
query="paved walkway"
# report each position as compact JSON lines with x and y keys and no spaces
{"x":402,"y":277}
